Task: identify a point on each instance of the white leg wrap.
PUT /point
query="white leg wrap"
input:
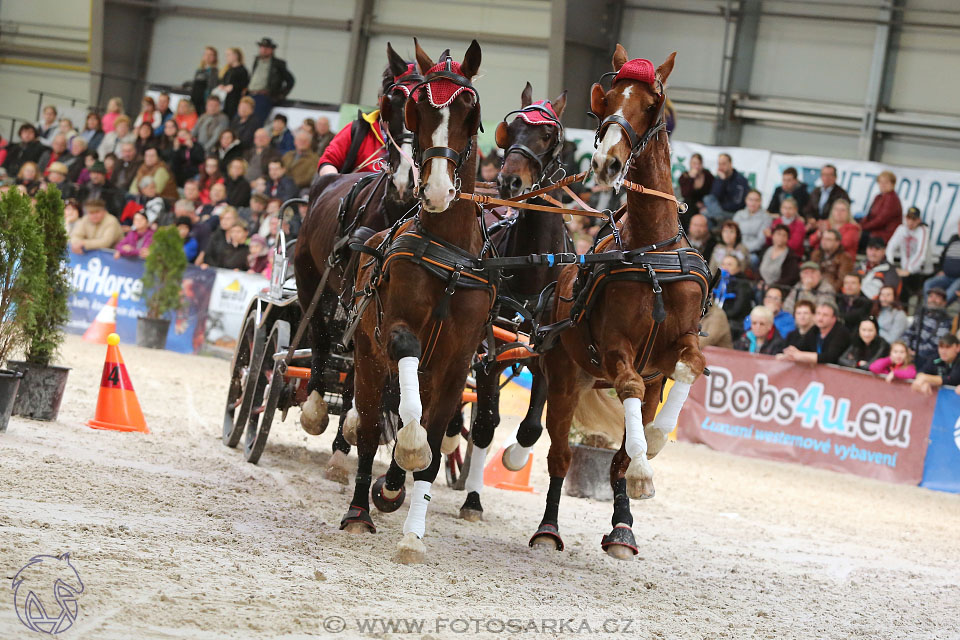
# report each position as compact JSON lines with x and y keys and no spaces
{"x":411,"y":410}
{"x":474,"y":480}
{"x":636,"y":442}
{"x":416,"y":521}
{"x":669,"y":413}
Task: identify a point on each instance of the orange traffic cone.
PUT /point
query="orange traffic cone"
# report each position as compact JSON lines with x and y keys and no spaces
{"x":104,"y":324}
{"x":498,"y":476}
{"x":117,"y":406}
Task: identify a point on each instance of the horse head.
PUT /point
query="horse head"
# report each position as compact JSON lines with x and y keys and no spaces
{"x":45,"y":593}
{"x":399,"y":77}
{"x":444,"y":116}
{"x":531,"y":143}
{"x":630,"y":114}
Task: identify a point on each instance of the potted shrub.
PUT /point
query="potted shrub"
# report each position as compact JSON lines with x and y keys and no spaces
{"x":21,"y":286}
{"x":595,"y":437}
{"x":162,"y":276}
{"x":42,"y":386}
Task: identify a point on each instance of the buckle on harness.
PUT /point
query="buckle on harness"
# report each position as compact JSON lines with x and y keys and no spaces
{"x":453,"y":279}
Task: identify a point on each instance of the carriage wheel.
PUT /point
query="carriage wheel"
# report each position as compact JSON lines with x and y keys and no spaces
{"x":457,"y":464}
{"x":246,"y":356}
{"x":269,"y":385}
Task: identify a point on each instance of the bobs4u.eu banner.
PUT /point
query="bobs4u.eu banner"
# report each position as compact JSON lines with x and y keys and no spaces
{"x":821,"y":416}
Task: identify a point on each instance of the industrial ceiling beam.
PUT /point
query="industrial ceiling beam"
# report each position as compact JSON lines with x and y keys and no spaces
{"x":357,"y":50}
{"x":867,"y":145}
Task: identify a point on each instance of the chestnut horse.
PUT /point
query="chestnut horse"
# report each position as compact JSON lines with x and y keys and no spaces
{"x":619,"y":331}
{"x":425,"y":308}
{"x":371,"y":206}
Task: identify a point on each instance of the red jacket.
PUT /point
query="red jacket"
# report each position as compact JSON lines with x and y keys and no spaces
{"x":884,"y":217}
{"x":798,"y":232}
{"x":370,"y":155}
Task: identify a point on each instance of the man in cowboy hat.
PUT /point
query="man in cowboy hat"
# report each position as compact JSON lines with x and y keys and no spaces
{"x":270,"y":81}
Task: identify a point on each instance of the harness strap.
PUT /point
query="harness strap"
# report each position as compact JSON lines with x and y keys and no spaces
{"x":483,"y":200}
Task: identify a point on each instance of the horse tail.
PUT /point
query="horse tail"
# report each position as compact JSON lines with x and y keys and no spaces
{"x":599,"y":414}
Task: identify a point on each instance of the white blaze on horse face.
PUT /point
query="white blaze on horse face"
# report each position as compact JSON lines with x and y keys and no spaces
{"x":401,"y":177}
{"x":438,"y":190}
{"x":604,"y":155}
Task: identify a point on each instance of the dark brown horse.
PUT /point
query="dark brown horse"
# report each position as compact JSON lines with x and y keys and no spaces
{"x":427,"y":309}
{"x":609,"y":342}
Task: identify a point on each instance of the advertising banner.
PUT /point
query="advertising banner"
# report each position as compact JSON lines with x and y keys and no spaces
{"x":232,"y":292}
{"x":97,"y":275}
{"x":942,"y":470}
{"x":820,"y":416}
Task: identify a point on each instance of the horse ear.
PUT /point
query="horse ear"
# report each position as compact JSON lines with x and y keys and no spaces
{"x":527,"y":96}
{"x":471,"y":60}
{"x":502,"y":135}
{"x":397,"y":64}
{"x":663,"y":71}
{"x":386,"y":109}
{"x":410,"y":116}
{"x":598,"y":100}
{"x":619,"y":57}
{"x":423,"y":60}
{"x":559,"y":104}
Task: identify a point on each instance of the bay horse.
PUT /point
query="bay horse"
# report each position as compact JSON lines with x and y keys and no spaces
{"x":342,"y":207}
{"x":625,"y":329}
{"x":425,"y":308}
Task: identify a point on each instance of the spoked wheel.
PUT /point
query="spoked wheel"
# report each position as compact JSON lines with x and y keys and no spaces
{"x":456,"y":464}
{"x":269,"y":385}
{"x":246,"y":356}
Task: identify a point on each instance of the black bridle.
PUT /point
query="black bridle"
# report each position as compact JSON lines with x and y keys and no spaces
{"x":405,"y":85}
{"x":637,"y":143}
{"x":548,"y":158}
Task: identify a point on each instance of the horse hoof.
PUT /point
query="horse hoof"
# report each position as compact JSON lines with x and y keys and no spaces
{"x":356,"y":528}
{"x":357,"y":520}
{"x":620,"y":543}
{"x":619,"y":553}
{"x":656,"y":440}
{"x":472,"y":510}
{"x":350,"y":426}
{"x":547,"y":537}
{"x":410,"y":549}
{"x":338,"y":469}
{"x":313,"y":414}
{"x":515,"y":457}
{"x":412,"y":452}
{"x":640,"y":479}
{"x":449,"y":444}
{"x":383,"y":502}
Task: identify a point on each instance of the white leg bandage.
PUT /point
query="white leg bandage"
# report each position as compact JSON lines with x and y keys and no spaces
{"x":416,"y":521}
{"x":669,"y":413}
{"x":636,"y":442}
{"x":475,"y":475}
{"x":411,"y":410}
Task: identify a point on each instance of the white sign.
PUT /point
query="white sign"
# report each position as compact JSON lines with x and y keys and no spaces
{"x":232,"y":292}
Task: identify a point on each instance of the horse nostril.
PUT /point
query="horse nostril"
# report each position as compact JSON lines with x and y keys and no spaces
{"x":615,"y":166}
{"x":451,"y":192}
{"x":595,"y":165}
{"x":516,"y":183}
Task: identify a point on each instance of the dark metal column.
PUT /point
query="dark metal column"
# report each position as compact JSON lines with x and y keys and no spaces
{"x":743,"y":25}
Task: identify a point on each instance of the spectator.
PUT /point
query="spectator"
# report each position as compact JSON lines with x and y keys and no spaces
{"x":695,"y":184}
{"x":790,"y":186}
{"x":323,"y":133}
{"x":790,"y":219}
{"x":783,"y":321}
{"x":191,"y":192}
{"x":832,"y":339}
{"x":166,"y":142}
{"x":95,"y":230}
{"x":897,"y":365}
{"x":890,"y":315}
{"x":885,"y":213}
{"x":739,"y":298}
{"x":210,"y":125}
{"x":92,"y":132}
{"x":866,"y":347}
{"x":753,"y":221}
{"x":876,"y":272}
{"x":28,"y":149}
{"x":144,"y":138}
{"x":778,"y":265}
{"x":188,"y":157}
{"x":930,"y":323}
{"x":730,"y":245}
{"x":258,"y":259}
{"x":47,"y":126}
{"x":77,"y":158}
{"x":841,"y":222}
{"x":209,"y":175}
{"x":136,"y":244}
{"x":184,"y":227}
{"x":281,"y":187}
{"x":301,"y":163}
{"x":56,"y":153}
{"x":762,"y":336}
{"x":234,"y":81}
{"x":259,"y":155}
{"x":113,"y":141}
{"x":238,"y":189}
{"x":147,"y":197}
{"x":148,"y":115}
{"x":700,"y":237}
{"x":310,"y":126}
{"x":941,"y":371}
{"x":29,"y":178}
{"x":205,"y":79}
{"x":281,"y":138}
{"x":251,"y":215}
{"x":218,"y":201}
{"x":833,"y":260}
{"x":728,"y":194}
{"x":163,"y":108}
{"x":57,"y":174}
{"x":100,"y":190}
{"x":71,"y":214}
{"x":243,"y":124}
{"x":114,"y":111}
{"x":270,"y":81}
{"x":186,"y":117}
{"x":489,"y":168}
{"x":803,"y":336}
{"x":812,"y":287}
{"x":213,"y":252}
{"x":154,"y":167}
{"x":911,"y":242}
{"x":853,"y":305}
{"x":947,"y":275}
{"x":228,"y":149}
{"x":236,"y":251}
{"x":715,"y":329}
{"x":822,"y":198}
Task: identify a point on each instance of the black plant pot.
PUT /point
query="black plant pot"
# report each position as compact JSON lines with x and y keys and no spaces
{"x":589,"y":473}
{"x":41,"y":390}
{"x":9,"y":382}
{"x":152,"y":332}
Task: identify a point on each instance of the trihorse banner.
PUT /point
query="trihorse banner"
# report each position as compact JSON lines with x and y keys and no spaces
{"x":821,"y":416}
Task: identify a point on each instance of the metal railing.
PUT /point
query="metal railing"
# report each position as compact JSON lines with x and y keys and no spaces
{"x":40,"y":94}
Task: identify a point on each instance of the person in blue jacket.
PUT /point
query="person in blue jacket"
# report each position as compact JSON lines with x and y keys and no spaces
{"x":728,"y":194}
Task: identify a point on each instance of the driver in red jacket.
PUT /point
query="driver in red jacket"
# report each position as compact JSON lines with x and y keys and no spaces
{"x":369,"y":155}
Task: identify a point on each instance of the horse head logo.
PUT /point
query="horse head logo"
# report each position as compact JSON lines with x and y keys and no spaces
{"x":45,"y":592}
